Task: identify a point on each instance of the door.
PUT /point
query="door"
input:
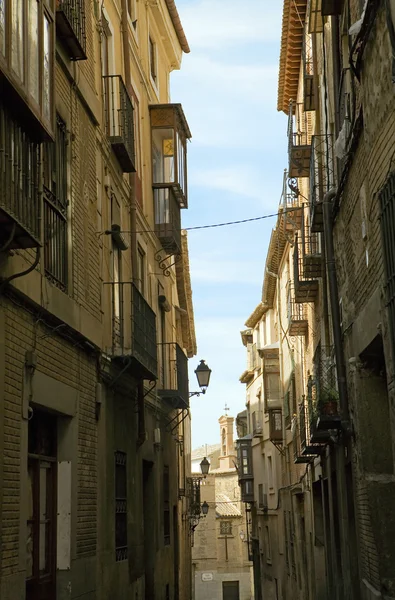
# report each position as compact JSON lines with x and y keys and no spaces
{"x":41,"y":499}
{"x":149,"y":509}
{"x":230,"y":590}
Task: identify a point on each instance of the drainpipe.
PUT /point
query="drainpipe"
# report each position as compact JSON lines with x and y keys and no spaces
{"x":342,"y":492}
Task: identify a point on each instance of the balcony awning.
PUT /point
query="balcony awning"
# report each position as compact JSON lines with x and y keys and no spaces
{"x":294,"y":15}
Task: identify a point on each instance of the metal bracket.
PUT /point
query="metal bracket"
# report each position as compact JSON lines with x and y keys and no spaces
{"x":162,"y":262}
{"x":150,"y":389}
{"x":179,"y":421}
{"x":279,"y":447}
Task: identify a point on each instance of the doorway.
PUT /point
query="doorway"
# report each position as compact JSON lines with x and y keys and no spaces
{"x":230,"y":590}
{"x":41,"y":501}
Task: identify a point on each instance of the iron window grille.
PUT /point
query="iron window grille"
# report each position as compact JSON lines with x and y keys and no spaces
{"x":387,"y":223}
{"x":121,"y":533}
{"x":166,"y":505}
{"x":225,"y":528}
{"x":55,"y":207}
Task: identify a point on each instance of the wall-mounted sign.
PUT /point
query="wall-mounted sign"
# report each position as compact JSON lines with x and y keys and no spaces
{"x":207,"y":577}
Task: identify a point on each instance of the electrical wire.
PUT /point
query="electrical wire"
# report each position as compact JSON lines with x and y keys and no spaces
{"x":211,"y":226}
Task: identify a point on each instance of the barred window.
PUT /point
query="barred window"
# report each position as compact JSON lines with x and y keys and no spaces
{"x":225,"y":527}
{"x":121,"y":532}
{"x":55,"y":207}
{"x":387,"y":202}
{"x":166,"y":505}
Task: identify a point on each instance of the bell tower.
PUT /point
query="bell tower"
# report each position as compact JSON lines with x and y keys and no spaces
{"x":227,"y":455}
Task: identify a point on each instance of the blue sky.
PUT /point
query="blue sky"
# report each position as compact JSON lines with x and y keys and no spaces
{"x":228,"y":88}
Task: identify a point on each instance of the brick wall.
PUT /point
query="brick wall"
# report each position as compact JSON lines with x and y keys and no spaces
{"x":62,"y":360}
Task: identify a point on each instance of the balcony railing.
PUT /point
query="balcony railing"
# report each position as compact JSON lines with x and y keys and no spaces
{"x":306,"y":287}
{"x":20,"y":208}
{"x":290,"y":201}
{"x":321,"y":177}
{"x":173,"y":384}
{"x":297,"y":315}
{"x":167,"y":219}
{"x":70,"y":23}
{"x":299,"y":141}
{"x":299,"y":457}
{"x":323,"y":396}
{"x":134,"y":329}
{"x":119,"y":121}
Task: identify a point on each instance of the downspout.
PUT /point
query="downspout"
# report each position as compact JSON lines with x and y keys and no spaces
{"x":141,"y":434}
{"x":342,"y":492}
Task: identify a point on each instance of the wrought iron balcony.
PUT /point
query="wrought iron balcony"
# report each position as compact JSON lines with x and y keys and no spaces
{"x":70,"y":25}
{"x":321,"y":177}
{"x":307,"y":447}
{"x":323,"y":396}
{"x":312,"y":258}
{"x":297,"y":315}
{"x":299,"y":141}
{"x":173,"y":384}
{"x":119,"y":121}
{"x":134,"y":330}
{"x":167,"y":219}
{"x":299,"y":457}
{"x":291,"y":204}
{"x":306,"y":288}
{"x":20,"y":207}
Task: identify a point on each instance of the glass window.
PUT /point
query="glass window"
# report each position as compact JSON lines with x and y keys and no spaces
{"x":34,"y":59}
{"x":2,"y":26}
{"x":17,"y":38}
{"x":47,"y":69}
{"x":152,"y":60}
{"x":163,"y":156}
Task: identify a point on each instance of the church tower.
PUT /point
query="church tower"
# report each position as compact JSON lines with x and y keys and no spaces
{"x":227,"y":456}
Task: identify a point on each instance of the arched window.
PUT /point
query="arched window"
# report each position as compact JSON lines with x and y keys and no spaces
{"x":224,"y":442}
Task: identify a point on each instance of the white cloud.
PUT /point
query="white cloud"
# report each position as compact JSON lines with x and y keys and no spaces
{"x":242,"y":180}
{"x":219,"y":23}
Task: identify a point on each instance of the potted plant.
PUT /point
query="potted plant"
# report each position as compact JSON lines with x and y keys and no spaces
{"x":328,"y":402}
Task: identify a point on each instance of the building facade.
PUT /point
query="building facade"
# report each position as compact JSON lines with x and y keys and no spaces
{"x":327,"y":295}
{"x":220,"y":557}
{"x":96,"y":315}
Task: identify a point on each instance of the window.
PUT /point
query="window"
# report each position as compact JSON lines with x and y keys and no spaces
{"x":270,"y":472}
{"x":121,"y":531}
{"x":132,"y":12}
{"x":141,"y":269}
{"x":55,"y":207}
{"x":2,"y":26}
{"x":166,"y":505}
{"x":225,"y":528}
{"x":223,"y":442}
{"x":272,"y":387}
{"x":152,"y":60}
{"x":268,"y":545}
{"x":260,"y":495}
{"x":387,"y":202}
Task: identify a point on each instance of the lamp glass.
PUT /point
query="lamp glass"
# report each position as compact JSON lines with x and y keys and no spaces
{"x":204,"y":466}
{"x":203,"y":373}
{"x":242,"y":535}
{"x":205,"y":508}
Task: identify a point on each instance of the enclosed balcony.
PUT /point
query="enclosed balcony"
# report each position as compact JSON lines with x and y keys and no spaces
{"x":70,"y":26}
{"x":134,"y":330}
{"x":308,"y":71}
{"x":321,"y":177}
{"x":276,"y":425}
{"x":297,"y":314}
{"x":305,"y":288}
{"x":20,"y":205}
{"x":167,"y":220}
{"x":299,"y":141}
{"x":244,"y":468}
{"x":173,"y":384}
{"x":170,"y":133}
{"x":119,"y":121}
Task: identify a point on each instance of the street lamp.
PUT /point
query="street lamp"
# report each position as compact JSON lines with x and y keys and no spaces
{"x":242,"y":535}
{"x":204,"y":508}
{"x":204,"y":466}
{"x":203,"y":373}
